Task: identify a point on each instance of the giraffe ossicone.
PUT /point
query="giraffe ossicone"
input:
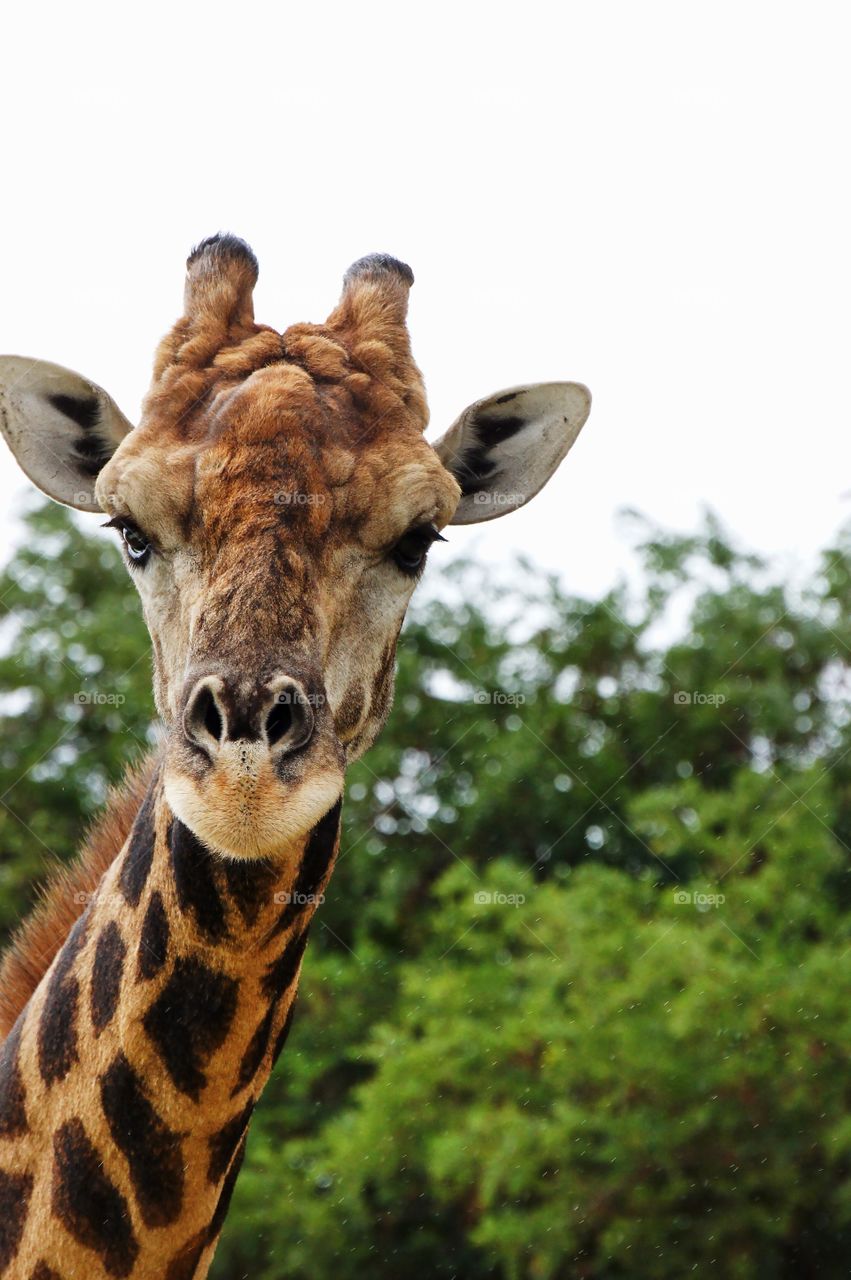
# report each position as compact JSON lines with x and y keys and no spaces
{"x":275,"y":505}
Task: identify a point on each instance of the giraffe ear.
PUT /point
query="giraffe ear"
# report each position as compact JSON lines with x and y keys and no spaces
{"x":62,"y":428}
{"x":503,"y":449}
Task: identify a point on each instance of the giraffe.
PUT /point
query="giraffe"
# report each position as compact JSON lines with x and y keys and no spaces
{"x":275,"y":505}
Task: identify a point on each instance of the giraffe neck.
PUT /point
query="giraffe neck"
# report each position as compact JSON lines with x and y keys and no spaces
{"x":128,"y":1082}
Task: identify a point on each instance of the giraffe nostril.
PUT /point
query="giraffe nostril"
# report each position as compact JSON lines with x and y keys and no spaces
{"x":277,"y":712}
{"x":279,"y":722}
{"x":212,"y":715}
{"x":290,"y":721}
{"x":203,"y":723}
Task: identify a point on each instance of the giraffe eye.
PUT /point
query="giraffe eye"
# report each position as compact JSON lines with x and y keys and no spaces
{"x":136,"y":543}
{"x":409,"y":552}
{"x":137,"y":546}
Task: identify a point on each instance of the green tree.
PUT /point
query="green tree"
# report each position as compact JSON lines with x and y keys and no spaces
{"x":76,"y":706}
{"x":630,"y":1060}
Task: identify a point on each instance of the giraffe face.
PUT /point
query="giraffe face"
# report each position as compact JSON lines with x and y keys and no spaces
{"x":274,"y":573}
{"x":275,"y":506}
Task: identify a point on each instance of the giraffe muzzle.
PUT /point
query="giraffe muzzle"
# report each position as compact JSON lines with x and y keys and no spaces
{"x":277,"y":714}
{"x":252,"y":764}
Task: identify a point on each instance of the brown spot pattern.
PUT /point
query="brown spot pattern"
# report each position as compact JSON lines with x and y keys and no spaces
{"x":13,"y":1098}
{"x":57,"y":1029}
{"x":153,"y":940}
{"x":153,"y":1152}
{"x":88,"y":1204}
{"x":224,"y":1143}
{"x":15,"y":1192}
{"x":110,"y":952}
{"x":190,"y":1020}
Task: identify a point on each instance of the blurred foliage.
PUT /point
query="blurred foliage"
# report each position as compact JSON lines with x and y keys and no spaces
{"x":574,"y":1006}
{"x":75,"y":687}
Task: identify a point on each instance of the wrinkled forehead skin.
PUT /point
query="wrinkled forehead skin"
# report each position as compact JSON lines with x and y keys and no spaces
{"x":309,"y":462}
{"x":336,"y":412}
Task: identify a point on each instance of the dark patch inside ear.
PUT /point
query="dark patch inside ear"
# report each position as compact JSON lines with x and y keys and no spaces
{"x":474,"y":469}
{"x":506,"y":399}
{"x":92,"y":455}
{"x":91,"y":450}
{"x":84,"y":410}
{"x":494,"y":428}
{"x":476,"y":466}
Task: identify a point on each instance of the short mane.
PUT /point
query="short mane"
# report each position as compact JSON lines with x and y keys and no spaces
{"x":64,"y":895}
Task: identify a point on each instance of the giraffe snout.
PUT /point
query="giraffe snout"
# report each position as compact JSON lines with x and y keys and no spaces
{"x":278,"y":713}
{"x":252,"y":763}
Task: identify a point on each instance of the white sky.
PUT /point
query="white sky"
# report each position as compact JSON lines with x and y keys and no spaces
{"x":651,"y":198}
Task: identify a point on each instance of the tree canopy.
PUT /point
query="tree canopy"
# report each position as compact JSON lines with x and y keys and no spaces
{"x":574,"y":1005}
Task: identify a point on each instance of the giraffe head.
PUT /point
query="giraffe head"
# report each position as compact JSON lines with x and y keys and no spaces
{"x":275,"y":505}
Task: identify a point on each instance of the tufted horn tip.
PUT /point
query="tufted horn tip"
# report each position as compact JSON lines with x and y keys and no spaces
{"x":378,"y":264}
{"x":221,"y":273}
{"x":220,"y":250}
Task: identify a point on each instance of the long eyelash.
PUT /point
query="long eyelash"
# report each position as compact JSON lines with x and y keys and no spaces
{"x":125,"y":522}
{"x":429,"y":530}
